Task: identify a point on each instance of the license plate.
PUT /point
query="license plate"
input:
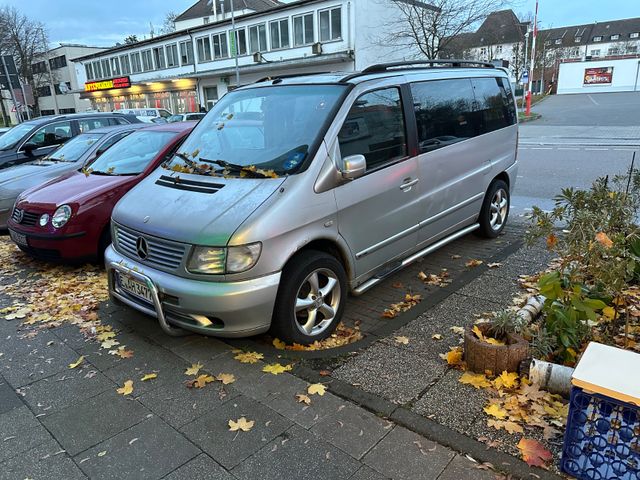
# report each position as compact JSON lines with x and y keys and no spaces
{"x":18,"y":238}
{"x":134,"y":287}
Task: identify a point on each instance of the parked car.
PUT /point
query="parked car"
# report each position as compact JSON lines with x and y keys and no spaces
{"x":293,"y":192}
{"x":39,"y":137}
{"x":70,"y":156}
{"x":4,"y":130}
{"x":185,"y":117}
{"x":68,"y":217}
{"x":147,"y":115}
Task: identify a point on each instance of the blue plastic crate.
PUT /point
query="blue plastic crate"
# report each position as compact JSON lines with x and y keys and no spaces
{"x":602,"y":440}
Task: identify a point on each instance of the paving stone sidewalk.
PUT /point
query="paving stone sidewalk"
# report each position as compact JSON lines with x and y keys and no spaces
{"x":62,"y":423}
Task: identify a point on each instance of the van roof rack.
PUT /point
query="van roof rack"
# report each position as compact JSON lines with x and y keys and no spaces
{"x":417,"y":64}
{"x":289,"y":75}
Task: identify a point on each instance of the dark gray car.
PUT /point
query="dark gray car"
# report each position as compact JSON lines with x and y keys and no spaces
{"x":39,"y":137}
{"x":70,"y":156}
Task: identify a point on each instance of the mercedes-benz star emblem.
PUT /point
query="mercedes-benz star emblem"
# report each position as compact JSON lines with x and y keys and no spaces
{"x":142,"y":247}
{"x":146,"y":219}
{"x":19,"y":215}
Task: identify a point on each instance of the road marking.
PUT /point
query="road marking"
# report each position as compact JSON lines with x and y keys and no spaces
{"x":597,"y":149}
{"x":564,"y":148}
{"x":624,"y":149}
{"x":542,"y":148}
{"x":594,"y":102}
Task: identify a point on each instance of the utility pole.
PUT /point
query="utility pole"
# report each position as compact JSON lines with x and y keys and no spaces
{"x":235,"y":43}
{"x":533,"y":58}
{"x":13,"y":97}
{"x":524,"y":61}
{"x":52,"y":85}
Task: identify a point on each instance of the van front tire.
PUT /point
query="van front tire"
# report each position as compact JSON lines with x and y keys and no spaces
{"x":495,"y":210}
{"x":311,"y":298}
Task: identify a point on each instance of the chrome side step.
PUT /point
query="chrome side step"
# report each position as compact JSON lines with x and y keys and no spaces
{"x":416,"y":256}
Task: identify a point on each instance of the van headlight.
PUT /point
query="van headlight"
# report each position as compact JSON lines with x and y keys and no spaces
{"x":220,"y":260}
{"x":61,"y":216}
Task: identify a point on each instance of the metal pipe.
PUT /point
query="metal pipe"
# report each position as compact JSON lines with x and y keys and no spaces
{"x":235,"y":43}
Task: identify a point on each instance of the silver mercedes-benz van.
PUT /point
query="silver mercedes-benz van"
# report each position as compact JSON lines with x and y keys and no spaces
{"x":295,"y":191}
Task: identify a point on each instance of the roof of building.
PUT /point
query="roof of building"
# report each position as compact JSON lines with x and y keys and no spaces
{"x":566,"y":36}
{"x":202,"y":8}
{"x":502,"y":26}
{"x":616,"y":27}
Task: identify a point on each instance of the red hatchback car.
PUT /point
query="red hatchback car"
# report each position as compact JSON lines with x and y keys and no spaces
{"x":68,"y":218}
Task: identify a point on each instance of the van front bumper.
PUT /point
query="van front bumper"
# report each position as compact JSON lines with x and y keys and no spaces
{"x":223,"y":309}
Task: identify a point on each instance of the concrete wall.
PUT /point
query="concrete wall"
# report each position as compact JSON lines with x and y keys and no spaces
{"x":625,"y":76}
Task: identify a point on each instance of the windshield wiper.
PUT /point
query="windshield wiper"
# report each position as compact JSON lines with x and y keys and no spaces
{"x":233,"y":167}
{"x":98,"y":172}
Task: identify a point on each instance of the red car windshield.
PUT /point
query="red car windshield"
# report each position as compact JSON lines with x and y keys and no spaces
{"x":132,"y":154}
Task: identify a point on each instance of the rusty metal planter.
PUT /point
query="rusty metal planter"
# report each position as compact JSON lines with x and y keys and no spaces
{"x":482,"y":356}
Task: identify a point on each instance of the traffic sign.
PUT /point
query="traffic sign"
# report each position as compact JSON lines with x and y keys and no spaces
{"x":525,"y":77}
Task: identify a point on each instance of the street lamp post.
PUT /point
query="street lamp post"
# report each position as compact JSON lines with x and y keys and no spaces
{"x":234,"y":35}
{"x":48,"y":67}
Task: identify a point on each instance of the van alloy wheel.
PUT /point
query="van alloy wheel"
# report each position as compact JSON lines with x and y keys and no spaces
{"x":499,"y":209}
{"x":317,"y":302}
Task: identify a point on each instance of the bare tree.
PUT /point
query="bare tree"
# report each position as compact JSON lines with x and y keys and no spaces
{"x":26,"y":40}
{"x":168,"y":24}
{"x":432,"y":25}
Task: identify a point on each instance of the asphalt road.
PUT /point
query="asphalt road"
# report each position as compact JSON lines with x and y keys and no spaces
{"x":555,"y":153}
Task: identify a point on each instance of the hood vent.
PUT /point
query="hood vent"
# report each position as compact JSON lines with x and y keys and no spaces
{"x":189,"y":185}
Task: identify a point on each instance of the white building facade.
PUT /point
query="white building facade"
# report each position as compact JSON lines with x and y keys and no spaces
{"x":192,"y":68}
{"x":599,"y":76}
{"x":56,"y":75}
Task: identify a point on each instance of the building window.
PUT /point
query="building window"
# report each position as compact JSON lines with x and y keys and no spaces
{"x":613,"y":51}
{"x":597,"y":39}
{"x":186,"y":53}
{"x":136,"y":66}
{"x":158,"y":58}
{"x":499,"y":49}
{"x":203,"y":46}
{"x":88,"y":69}
{"x":279,"y":34}
{"x":594,"y":53}
{"x":577,"y":39}
{"x":46,"y":113}
{"x":115,"y":66}
{"x":483,"y":51}
{"x":258,"y":38}
{"x":575,"y":52}
{"x":125,"y":64}
{"x":58,"y":62}
{"x":57,"y":88}
{"x":240,"y":45}
{"x":210,"y":96}
{"x":220,"y":49}
{"x":615,"y":37}
{"x":147,"y":61}
{"x":97,"y":69}
{"x":44,"y":91}
{"x":303,"y":29}
{"x":64,"y":111}
{"x":330,"y":24}
{"x":558,"y":41}
{"x":206,"y":20}
{"x":40,"y":67}
{"x":172,"y":55}
{"x":106,"y":68}
{"x":634,"y":35}
{"x":632,"y":49}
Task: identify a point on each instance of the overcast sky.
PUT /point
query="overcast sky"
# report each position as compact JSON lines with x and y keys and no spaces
{"x":105,"y":22}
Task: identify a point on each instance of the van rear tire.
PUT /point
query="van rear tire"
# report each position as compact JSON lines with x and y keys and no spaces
{"x":495,"y":210}
{"x":311,"y":298}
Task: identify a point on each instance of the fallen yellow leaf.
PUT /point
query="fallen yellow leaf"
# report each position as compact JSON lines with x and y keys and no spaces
{"x":226,"y":378}
{"x":609,"y":313}
{"x":149,"y":376}
{"x":127,"y":389}
{"x":316,"y":389}
{"x":276,"y":368}
{"x":495,"y":411}
{"x":506,"y":380}
{"x":249,"y":357}
{"x":302,"y":398}
{"x":604,"y":240}
{"x":193,"y":369}
{"x":279,"y":344}
{"x":402,"y":340}
{"x":494,"y":341}
{"x":478,"y":380}
{"x":453,"y":356}
{"x":108,"y":344}
{"x":77,"y":362}
{"x":241,"y":424}
{"x":202,"y":380}
{"x":478,"y":332}
{"x":473,"y":263}
{"x":436,"y":336}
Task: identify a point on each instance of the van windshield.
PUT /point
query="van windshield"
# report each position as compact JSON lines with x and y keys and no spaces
{"x":258,"y":132}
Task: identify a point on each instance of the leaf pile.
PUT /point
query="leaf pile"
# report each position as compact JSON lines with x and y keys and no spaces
{"x":483,"y":338}
{"x":343,"y":335}
{"x":408,"y":303}
{"x":440,"y":280}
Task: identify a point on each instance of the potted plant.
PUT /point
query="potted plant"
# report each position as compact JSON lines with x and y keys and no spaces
{"x":497,"y":345}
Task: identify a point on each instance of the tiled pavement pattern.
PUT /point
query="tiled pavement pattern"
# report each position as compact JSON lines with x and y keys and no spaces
{"x":416,"y":377}
{"x":65,"y":424}
{"x":367,"y":309}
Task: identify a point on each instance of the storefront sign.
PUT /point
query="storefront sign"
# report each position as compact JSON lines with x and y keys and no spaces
{"x":120,"y":82}
{"x":598,"y":76}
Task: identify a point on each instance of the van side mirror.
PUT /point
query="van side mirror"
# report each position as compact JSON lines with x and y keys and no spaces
{"x":353,"y":166}
{"x":29,"y":147}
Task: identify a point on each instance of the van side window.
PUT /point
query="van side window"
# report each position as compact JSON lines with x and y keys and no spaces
{"x":444,"y":112}
{"x":492,"y":104}
{"x":52,"y":134}
{"x":375,"y":128}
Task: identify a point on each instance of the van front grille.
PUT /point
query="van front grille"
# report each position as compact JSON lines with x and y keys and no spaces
{"x":150,"y":250}
{"x":189,"y":185}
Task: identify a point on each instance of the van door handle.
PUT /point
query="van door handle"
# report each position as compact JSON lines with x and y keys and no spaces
{"x":408,"y":183}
